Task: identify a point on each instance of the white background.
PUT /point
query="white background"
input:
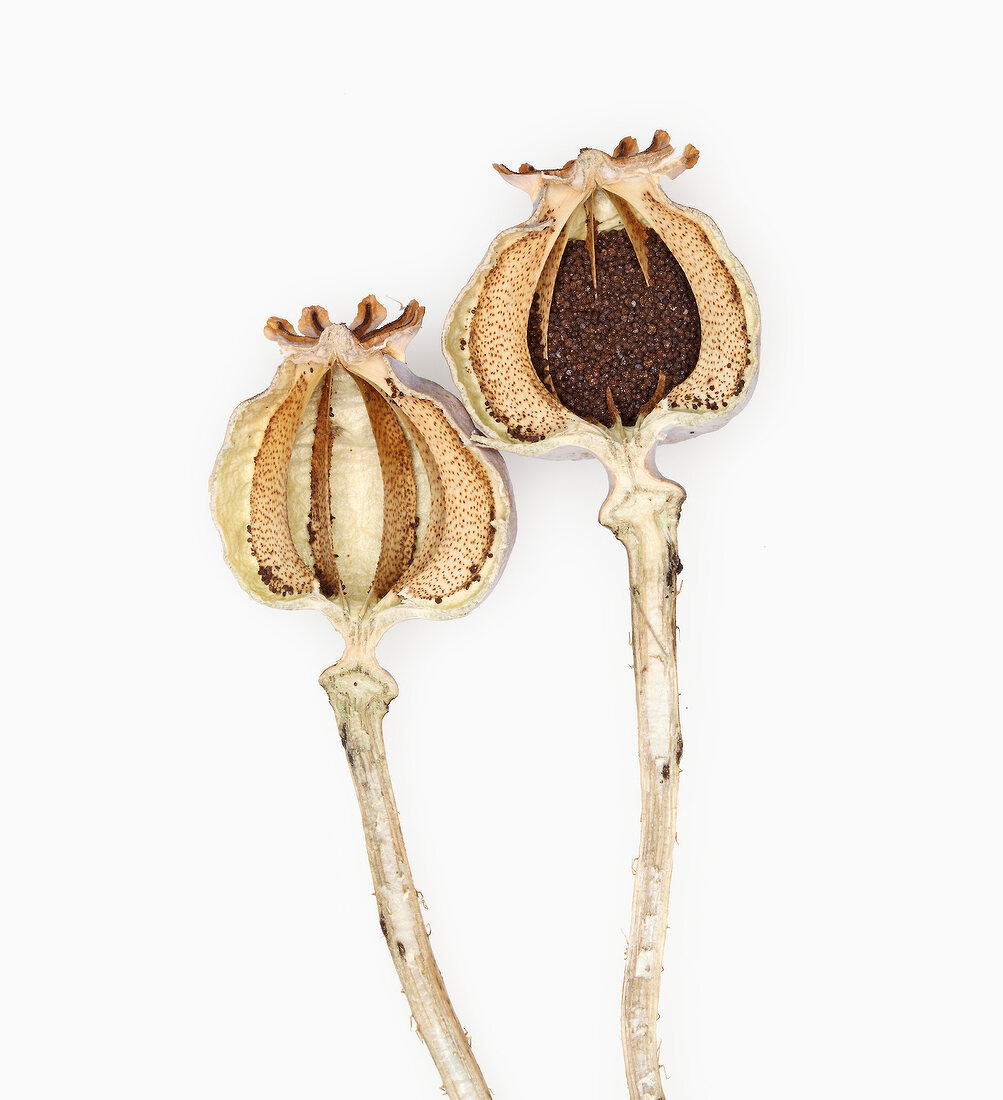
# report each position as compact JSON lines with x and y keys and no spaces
{"x":186,"y":904}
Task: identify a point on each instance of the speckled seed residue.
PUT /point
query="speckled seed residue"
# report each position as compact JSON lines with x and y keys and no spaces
{"x":720,"y":373}
{"x":400,"y":494}
{"x":280,"y":567}
{"x":455,"y":554}
{"x":619,"y":336}
{"x":512,"y":392}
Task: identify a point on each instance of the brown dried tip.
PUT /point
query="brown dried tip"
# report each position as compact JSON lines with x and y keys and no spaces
{"x":626,"y":149}
{"x":313,"y":321}
{"x":368,"y":326}
{"x":410,"y":319}
{"x":370,"y":315}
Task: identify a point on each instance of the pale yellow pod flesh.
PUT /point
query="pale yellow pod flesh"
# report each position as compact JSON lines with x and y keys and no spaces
{"x":355,"y":489}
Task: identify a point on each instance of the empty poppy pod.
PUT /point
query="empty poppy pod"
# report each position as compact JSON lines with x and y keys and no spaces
{"x":351,"y":486}
{"x":612,"y":310}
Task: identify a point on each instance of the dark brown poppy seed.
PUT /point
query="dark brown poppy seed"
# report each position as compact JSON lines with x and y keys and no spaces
{"x":621,"y":336}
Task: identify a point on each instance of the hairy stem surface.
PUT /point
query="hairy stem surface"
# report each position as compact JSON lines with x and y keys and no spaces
{"x":643,"y":512}
{"x":360,"y":693}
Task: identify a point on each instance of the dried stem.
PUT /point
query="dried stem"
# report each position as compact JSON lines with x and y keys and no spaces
{"x":642,"y":510}
{"x":360,"y":693}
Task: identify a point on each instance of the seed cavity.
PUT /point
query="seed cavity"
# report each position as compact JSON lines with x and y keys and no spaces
{"x":611,"y":349}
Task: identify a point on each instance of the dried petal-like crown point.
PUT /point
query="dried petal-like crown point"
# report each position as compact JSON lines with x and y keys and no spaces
{"x":611,"y":310}
{"x":352,"y":486}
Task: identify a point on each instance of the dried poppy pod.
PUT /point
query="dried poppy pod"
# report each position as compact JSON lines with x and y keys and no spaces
{"x":352,"y":487}
{"x":612,"y":312}
{"x":611,"y":320}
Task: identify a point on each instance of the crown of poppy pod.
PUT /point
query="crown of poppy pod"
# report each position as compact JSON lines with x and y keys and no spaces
{"x":611,"y":312}
{"x":351,"y":485}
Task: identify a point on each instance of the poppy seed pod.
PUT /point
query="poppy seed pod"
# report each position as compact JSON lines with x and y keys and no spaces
{"x":350,"y":485}
{"x":612,"y":311}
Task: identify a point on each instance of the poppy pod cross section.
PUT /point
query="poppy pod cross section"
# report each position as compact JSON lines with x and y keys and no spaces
{"x":612,"y":311}
{"x":351,"y":486}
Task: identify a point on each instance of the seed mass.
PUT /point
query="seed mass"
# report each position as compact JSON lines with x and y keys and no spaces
{"x":620,"y":335}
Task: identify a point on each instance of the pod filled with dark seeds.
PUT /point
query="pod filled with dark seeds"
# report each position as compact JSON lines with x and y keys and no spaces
{"x":621,"y":335}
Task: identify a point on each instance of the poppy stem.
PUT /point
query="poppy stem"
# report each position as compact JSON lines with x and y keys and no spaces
{"x":642,"y":510}
{"x":360,"y":692}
